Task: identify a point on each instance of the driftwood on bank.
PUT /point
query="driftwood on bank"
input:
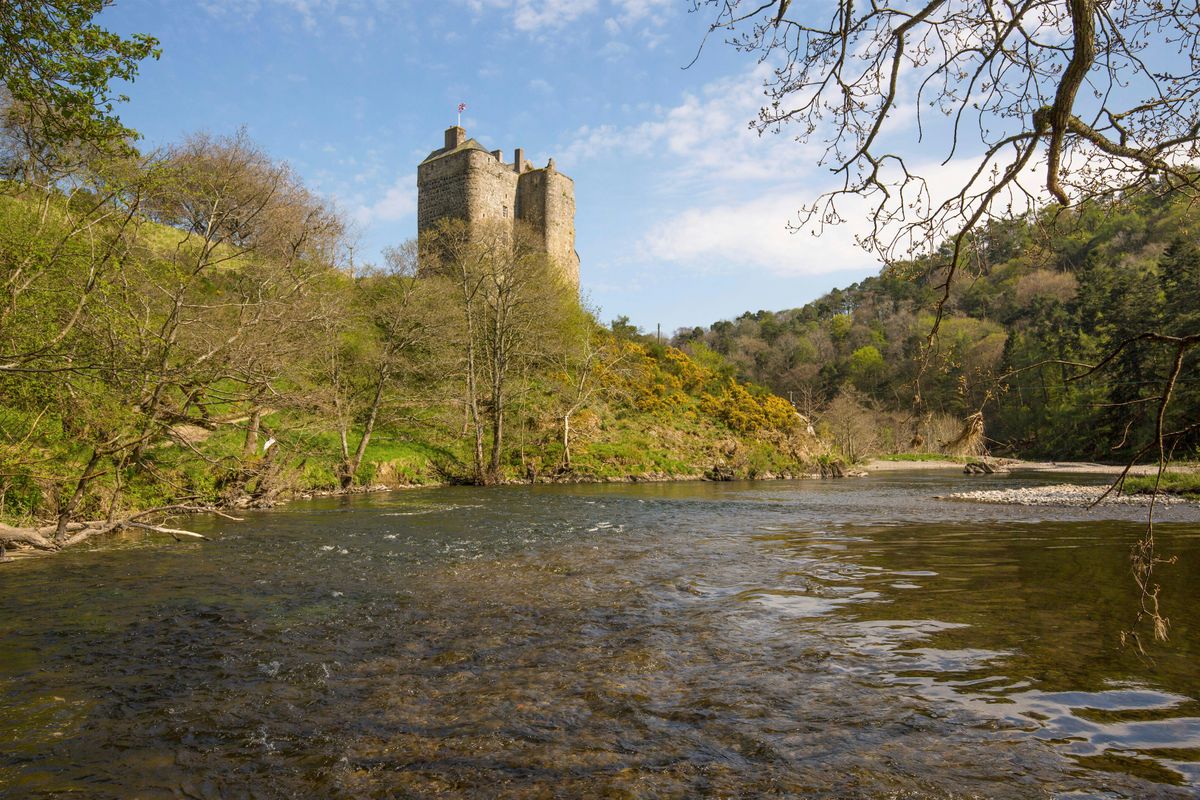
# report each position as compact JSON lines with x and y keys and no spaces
{"x":44,"y":538}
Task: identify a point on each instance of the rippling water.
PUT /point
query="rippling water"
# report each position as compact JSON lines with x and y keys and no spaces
{"x":814,"y":639}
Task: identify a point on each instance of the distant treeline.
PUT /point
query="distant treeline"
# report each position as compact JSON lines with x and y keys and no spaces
{"x":1039,"y":300}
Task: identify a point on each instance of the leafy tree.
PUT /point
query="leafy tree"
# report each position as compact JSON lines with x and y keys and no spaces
{"x":866,"y":367}
{"x":624,"y":329}
{"x":58,"y":63}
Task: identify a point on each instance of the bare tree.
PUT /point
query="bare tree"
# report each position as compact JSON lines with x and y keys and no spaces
{"x":400,"y":326}
{"x":1067,"y":95}
{"x":853,"y":426}
{"x":246,"y":242}
{"x":511,"y":299}
{"x":454,"y":252}
{"x":588,"y":354}
{"x":173,"y":317}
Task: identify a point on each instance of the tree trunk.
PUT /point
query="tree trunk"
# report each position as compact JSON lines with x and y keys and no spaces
{"x":350,"y":464}
{"x":497,"y":435}
{"x":566,"y":440}
{"x":476,"y":422}
{"x":472,"y":387}
{"x":250,"y":446}
{"x":65,"y":512}
{"x":266,"y":475}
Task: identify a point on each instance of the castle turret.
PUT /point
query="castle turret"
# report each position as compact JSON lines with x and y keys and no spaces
{"x":546,"y":203}
{"x":463,"y":180}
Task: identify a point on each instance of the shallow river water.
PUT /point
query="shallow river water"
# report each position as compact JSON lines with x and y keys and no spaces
{"x":853,"y":638}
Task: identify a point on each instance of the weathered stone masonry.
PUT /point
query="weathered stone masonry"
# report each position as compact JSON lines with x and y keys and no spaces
{"x":464,"y":181}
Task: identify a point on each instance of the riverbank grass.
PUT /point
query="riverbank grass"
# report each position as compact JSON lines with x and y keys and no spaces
{"x":1186,"y":484}
{"x":923,"y":457}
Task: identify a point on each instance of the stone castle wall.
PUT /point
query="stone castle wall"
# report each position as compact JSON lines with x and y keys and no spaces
{"x":464,"y":181}
{"x":546,"y":202}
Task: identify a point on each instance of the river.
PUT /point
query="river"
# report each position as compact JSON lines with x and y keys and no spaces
{"x":827,"y":639}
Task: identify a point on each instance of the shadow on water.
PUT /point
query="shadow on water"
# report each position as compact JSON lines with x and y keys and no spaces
{"x":817,"y":639}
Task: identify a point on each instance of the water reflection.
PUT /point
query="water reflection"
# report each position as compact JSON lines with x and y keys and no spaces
{"x":641,"y":641}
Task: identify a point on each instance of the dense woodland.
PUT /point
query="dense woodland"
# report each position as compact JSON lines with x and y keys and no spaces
{"x":1044,"y":298}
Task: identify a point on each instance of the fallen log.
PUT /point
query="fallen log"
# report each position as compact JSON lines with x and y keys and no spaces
{"x":26,"y":536}
{"x":174,"y":532}
{"x":42,"y":539}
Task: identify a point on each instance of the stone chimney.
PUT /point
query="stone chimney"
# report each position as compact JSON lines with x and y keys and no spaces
{"x":498,"y":155}
{"x":519,"y":160}
{"x":454,"y":137}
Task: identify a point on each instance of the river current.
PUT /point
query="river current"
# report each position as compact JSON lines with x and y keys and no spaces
{"x":827,"y":639}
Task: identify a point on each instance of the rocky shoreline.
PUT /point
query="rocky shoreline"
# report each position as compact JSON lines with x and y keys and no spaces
{"x":1063,"y":494}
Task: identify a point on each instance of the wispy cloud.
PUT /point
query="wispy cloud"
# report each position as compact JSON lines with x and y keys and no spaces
{"x":535,"y":16}
{"x":758,"y":233}
{"x":355,"y":17}
{"x":704,"y":138}
{"x":734,"y":194}
{"x":649,"y":11}
{"x":398,"y":202}
{"x":753,"y":236}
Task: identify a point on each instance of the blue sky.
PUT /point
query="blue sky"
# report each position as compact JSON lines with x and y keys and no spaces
{"x":681,"y":209}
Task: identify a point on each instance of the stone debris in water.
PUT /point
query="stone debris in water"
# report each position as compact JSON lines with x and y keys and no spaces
{"x":1064,"y":494}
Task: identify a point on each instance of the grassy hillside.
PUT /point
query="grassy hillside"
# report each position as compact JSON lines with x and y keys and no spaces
{"x":152,"y":361}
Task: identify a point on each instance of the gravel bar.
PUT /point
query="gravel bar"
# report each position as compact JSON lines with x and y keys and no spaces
{"x":1059,"y":495}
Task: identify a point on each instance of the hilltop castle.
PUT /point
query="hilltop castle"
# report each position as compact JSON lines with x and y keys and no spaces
{"x":462,"y":180}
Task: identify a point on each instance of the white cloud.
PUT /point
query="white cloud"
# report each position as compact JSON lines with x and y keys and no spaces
{"x":351,"y":15}
{"x":635,"y":10}
{"x":534,"y":16}
{"x":705,"y":138}
{"x":753,"y":236}
{"x":398,"y":202}
{"x":758,"y":234}
{"x":614,"y":51}
{"x":529,"y":15}
{"x":736,"y":193}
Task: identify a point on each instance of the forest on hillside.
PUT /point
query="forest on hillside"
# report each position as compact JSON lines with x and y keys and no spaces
{"x":186,"y":328}
{"x":1045,"y":297}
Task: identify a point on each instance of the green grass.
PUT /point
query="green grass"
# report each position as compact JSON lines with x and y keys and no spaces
{"x":922,"y":457}
{"x":1184,"y":483}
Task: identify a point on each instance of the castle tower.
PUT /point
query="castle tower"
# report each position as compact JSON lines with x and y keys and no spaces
{"x":463,"y":180}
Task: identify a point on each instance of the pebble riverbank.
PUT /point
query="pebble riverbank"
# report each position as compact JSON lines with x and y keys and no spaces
{"x":1059,"y":495}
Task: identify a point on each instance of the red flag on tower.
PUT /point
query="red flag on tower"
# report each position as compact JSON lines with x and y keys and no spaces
{"x":461,"y":108}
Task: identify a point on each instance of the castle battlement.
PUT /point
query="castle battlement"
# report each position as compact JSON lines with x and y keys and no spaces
{"x":463,"y":180}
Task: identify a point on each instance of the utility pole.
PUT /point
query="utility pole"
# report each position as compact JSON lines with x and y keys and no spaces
{"x":659,"y":334}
